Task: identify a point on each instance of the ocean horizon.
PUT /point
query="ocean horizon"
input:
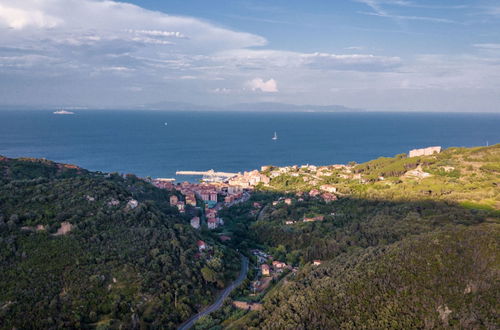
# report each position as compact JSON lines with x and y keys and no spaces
{"x":158,"y":143}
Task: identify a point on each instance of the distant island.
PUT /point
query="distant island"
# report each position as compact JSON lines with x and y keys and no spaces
{"x":255,"y":107}
{"x":181,"y":106}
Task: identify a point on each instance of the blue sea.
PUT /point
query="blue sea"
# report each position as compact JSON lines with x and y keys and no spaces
{"x":158,"y":143}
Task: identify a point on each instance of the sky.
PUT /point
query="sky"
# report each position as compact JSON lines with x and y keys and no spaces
{"x":387,"y":55}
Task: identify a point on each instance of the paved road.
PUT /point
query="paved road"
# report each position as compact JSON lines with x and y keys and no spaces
{"x":220,"y":299}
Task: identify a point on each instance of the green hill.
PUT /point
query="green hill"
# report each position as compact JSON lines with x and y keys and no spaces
{"x":444,"y":279}
{"x":76,"y":251}
{"x":410,"y":243}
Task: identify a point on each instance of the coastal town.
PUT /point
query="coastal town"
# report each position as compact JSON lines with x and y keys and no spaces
{"x":203,"y":202}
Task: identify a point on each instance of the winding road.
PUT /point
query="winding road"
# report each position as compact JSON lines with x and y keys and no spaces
{"x":220,"y":299}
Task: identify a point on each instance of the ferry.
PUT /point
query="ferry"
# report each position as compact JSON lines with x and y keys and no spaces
{"x":63,"y":112}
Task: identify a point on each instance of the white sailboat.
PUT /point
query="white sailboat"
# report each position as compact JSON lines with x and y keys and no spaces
{"x":275,"y":137}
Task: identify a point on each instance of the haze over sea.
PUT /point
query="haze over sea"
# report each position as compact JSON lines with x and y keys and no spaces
{"x":139,"y":141}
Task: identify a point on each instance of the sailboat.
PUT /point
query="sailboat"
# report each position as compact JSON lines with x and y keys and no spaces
{"x":275,"y":137}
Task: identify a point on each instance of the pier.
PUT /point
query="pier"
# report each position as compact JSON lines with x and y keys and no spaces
{"x":210,"y":175}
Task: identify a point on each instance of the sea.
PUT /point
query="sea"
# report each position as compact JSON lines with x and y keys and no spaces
{"x":159,"y":143}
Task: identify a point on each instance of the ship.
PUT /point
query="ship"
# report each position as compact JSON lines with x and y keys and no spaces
{"x":63,"y":112}
{"x":275,"y":137}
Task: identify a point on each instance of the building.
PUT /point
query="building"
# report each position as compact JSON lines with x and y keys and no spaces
{"x":132,"y":204}
{"x":317,"y":262}
{"x":279,"y":264}
{"x":314,"y":193}
{"x":424,"y":151}
{"x":265,"y":269}
{"x":289,"y":222}
{"x":195,"y":222}
{"x":288,"y":201}
{"x":205,"y":196}
{"x":328,"y":188}
{"x":173,"y":200}
{"x":201,"y":245}
{"x":213,"y":196}
{"x":317,"y":218}
{"x":181,"y":206}
{"x":212,"y":223}
{"x":328,"y":197}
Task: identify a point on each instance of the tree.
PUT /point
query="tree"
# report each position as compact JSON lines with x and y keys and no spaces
{"x":208,"y":274}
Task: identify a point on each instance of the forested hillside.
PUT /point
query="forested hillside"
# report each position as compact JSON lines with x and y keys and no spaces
{"x":447,"y":278}
{"x":409,"y":243}
{"x":84,"y":249}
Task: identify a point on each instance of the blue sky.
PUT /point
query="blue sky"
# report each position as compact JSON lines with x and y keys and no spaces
{"x":416,"y":55}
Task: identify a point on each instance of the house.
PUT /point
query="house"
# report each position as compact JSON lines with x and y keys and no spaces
{"x":289,"y":222}
{"x":316,"y":218}
{"x":195,"y":222}
{"x":328,"y":188}
{"x":212,"y":223}
{"x":201,"y":245}
{"x":288,"y":201}
{"x":190,"y":198}
{"x":317,"y":262}
{"x":275,"y":203}
{"x":265,"y":269}
{"x":224,"y":238}
{"x":328,"y":197}
{"x":256,"y":205}
{"x":314,"y":193}
{"x":173,"y":200}
{"x":132,"y":204}
{"x":181,"y":206}
{"x":278,"y":264}
{"x":213,"y":196}
{"x":211,"y":213}
{"x":205,"y":196}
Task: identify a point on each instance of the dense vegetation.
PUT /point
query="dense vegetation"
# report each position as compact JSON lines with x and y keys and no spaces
{"x":447,"y":278}
{"x":411,"y":243}
{"x":119,"y":265}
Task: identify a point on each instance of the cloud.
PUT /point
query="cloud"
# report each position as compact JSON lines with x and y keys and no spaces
{"x":378,"y":10}
{"x":258,"y":84}
{"x":354,"y":62}
{"x":107,"y":53}
{"x":490,"y":46}
{"x":19,"y":18}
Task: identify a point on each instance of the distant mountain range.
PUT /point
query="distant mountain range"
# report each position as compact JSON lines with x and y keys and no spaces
{"x":259,"y":106}
{"x":181,"y":106}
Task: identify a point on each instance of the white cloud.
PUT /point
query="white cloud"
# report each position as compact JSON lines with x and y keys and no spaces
{"x":19,"y":18}
{"x":258,"y":84}
{"x":99,"y":53}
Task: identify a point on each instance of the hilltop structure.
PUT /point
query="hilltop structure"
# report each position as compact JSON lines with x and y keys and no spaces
{"x":424,"y":151}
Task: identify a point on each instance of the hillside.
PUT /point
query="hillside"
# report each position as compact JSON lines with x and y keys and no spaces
{"x":461,"y":175}
{"x":448,"y":278}
{"x":83,"y":249}
{"x":403,"y":243}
